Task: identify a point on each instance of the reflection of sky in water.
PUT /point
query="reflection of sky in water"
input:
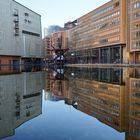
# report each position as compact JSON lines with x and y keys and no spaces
{"x":62,"y":122}
{"x":92,"y":90}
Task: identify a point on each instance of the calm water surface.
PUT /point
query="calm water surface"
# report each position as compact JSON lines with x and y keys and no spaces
{"x":70,"y":104}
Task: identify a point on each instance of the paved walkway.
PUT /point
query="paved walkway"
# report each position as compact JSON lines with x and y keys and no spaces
{"x":103,"y":65}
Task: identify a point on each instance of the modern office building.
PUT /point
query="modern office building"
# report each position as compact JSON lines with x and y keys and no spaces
{"x":47,"y":44}
{"x":100,"y":36}
{"x":55,"y":46}
{"x":108,"y":34}
{"x":134,"y":29}
{"x":20,"y":33}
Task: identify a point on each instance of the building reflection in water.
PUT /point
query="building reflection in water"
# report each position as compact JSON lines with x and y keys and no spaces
{"x":133,"y":105}
{"x":56,"y":83}
{"x":110,"y":95}
{"x":20,"y":99}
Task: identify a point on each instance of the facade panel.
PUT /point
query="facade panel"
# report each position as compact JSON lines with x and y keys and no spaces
{"x":20,"y":31}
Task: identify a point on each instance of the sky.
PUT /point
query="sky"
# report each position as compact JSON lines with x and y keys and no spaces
{"x":58,"y":12}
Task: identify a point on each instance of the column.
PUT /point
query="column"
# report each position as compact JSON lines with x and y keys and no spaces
{"x":99,"y":59}
{"x":120,"y":54}
{"x":109,"y":56}
{"x":134,"y":61}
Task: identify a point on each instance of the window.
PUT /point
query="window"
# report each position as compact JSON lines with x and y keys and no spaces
{"x":136,"y":5}
{"x":136,"y":132}
{"x":15,"y":12}
{"x":136,"y":84}
{"x":17,"y":32}
{"x":16,"y":22}
{"x":25,"y":20}
{"x":103,"y":41}
{"x":103,"y":11}
{"x":115,"y":14}
{"x":29,"y":21}
{"x":135,"y":122}
{"x":137,"y":103}
{"x":137,"y":25}
{"x":136,"y":95}
{"x":28,"y":113}
{"x":17,"y":113}
{"x":116,"y":4}
{"x":26,"y":14}
{"x":138,"y":34}
{"x":136,"y":15}
{"x":137,"y":45}
{"x":30,"y":33}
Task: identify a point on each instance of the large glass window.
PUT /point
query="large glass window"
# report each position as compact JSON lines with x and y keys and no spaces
{"x":137,"y":45}
{"x":105,"y":55}
{"x":117,"y":13}
{"x":137,"y":5}
{"x":138,"y":34}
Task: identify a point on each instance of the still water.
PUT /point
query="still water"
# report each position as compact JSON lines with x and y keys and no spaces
{"x":70,"y":104}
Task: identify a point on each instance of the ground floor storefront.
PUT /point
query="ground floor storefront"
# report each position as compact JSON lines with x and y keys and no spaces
{"x":135,"y":57}
{"x":108,"y":54}
{"x":14,"y":64}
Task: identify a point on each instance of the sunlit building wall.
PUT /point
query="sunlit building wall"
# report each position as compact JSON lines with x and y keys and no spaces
{"x":134,"y":30}
{"x":108,"y":34}
{"x":100,"y":35}
{"x":47,"y":45}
